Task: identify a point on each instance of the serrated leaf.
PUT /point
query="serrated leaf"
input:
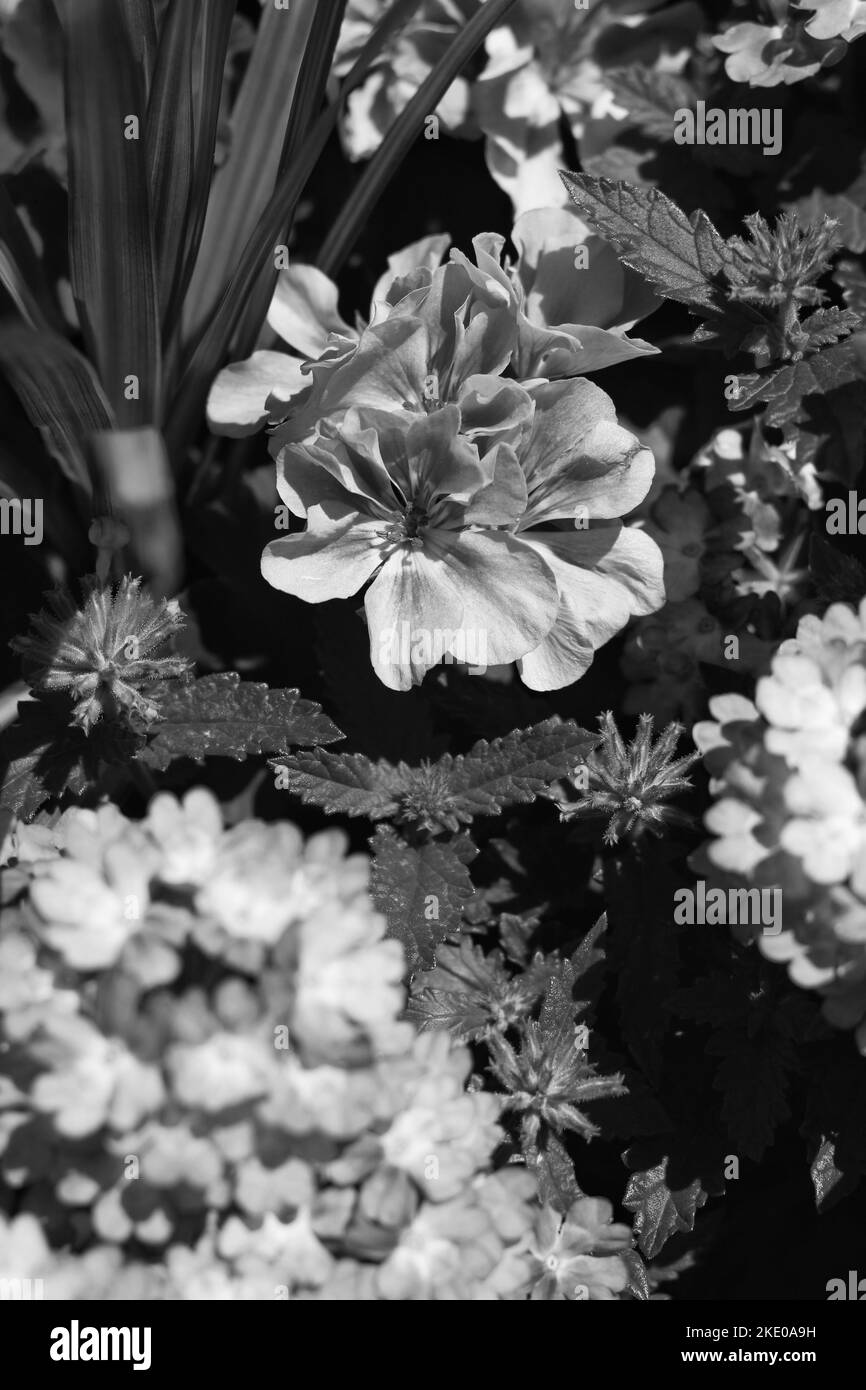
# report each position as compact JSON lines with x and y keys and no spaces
{"x":448,"y":793}
{"x":517,"y":768}
{"x":346,"y":784}
{"x":827,"y":326}
{"x":42,"y":756}
{"x":638,"y":1283}
{"x":785,"y":389}
{"x":421,"y":890}
{"x":554,"y":1171}
{"x":588,"y":952}
{"x":221,"y":716}
{"x":468,"y":992}
{"x":753,"y":1078}
{"x":651,"y":98}
{"x":660,"y":1211}
{"x":848,"y":209}
{"x":838,"y":577}
{"x":683,"y":258}
{"x":829,"y":1182}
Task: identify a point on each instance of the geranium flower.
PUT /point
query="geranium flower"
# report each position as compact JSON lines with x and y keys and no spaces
{"x":446,"y":342}
{"x":583,"y":471}
{"x":416,"y":511}
{"x":304,"y":313}
{"x":548,"y":61}
{"x":570,"y":320}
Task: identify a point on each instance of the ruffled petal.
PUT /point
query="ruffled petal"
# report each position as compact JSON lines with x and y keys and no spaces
{"x":237,"y":403}
{"x":579,"y":461}
{"x":304,"y":310}
{"x":333,"y":558}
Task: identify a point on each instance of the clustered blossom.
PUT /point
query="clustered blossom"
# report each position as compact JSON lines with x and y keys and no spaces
{"x":732,"y":533}
{"x":796,"y":46}
{"x":789,"y":773}
{"x":448,"y":455}
{"x":209,"y":1090}
{"x":547,"y":62}
{"x":103,"y":650}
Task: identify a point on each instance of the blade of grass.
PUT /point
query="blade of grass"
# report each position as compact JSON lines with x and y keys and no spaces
{"x":140,"y":17}
{"x":243,"y":184}
{"x":21,"y":271}
{"x":208,"y":353}
{"x":318,"y":54}
{"x":402,"y":135}
{"x":212,"y":47}
{"x":169,"y":143}
{"x":112,"y":263}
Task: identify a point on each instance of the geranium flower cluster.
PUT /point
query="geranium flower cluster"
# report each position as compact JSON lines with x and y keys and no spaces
{"x":451,"y":456}
{"x":789,"y":780}
{"x":208,"y":1091}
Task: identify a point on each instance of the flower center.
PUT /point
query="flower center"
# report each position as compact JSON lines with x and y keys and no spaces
{"x":407,"y":531}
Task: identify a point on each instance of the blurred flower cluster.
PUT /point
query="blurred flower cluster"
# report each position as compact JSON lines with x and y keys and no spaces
{"x":452,"y":452}
{"x":796,"y":46}
{"x":546,"y":64}
{"x":207,"y":1089}
{"x":732,"y":534}
{"x":789,"y":781}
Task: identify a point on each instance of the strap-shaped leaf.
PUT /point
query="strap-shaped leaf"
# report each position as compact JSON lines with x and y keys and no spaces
{"x":112,"y":264}
{"x":59,"y":392}
{"x":403,"y":133}
{"x":21,"y":273}
{"x":242,"y":185}
{"x":170,"y":143}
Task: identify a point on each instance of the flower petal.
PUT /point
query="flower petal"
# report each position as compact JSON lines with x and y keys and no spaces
{"x":333,"y":558}
{"x":304,"y":309}
{"x":237,"y":403}
{"x":605,"y":575}
{"x":579,"y":461}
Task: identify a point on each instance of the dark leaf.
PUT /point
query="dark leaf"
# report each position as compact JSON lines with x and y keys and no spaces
{"x":345,"y":784}
{"x":421,"y":890}
{"x":681,"y":257}
{"x":222,"y":716}
{"x":42,"y":756}
{"x":60,"y":394}
{"x":829,"y":1182}
{"x":651,"y":98}
{"x":112,"y":265}
{"x":557,"y":1185}
{"x":659,"y":1210}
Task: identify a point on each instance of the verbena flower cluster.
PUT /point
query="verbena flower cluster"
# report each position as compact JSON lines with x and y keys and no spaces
{"x":208,"y":1090}
{"x":789,"y":780}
